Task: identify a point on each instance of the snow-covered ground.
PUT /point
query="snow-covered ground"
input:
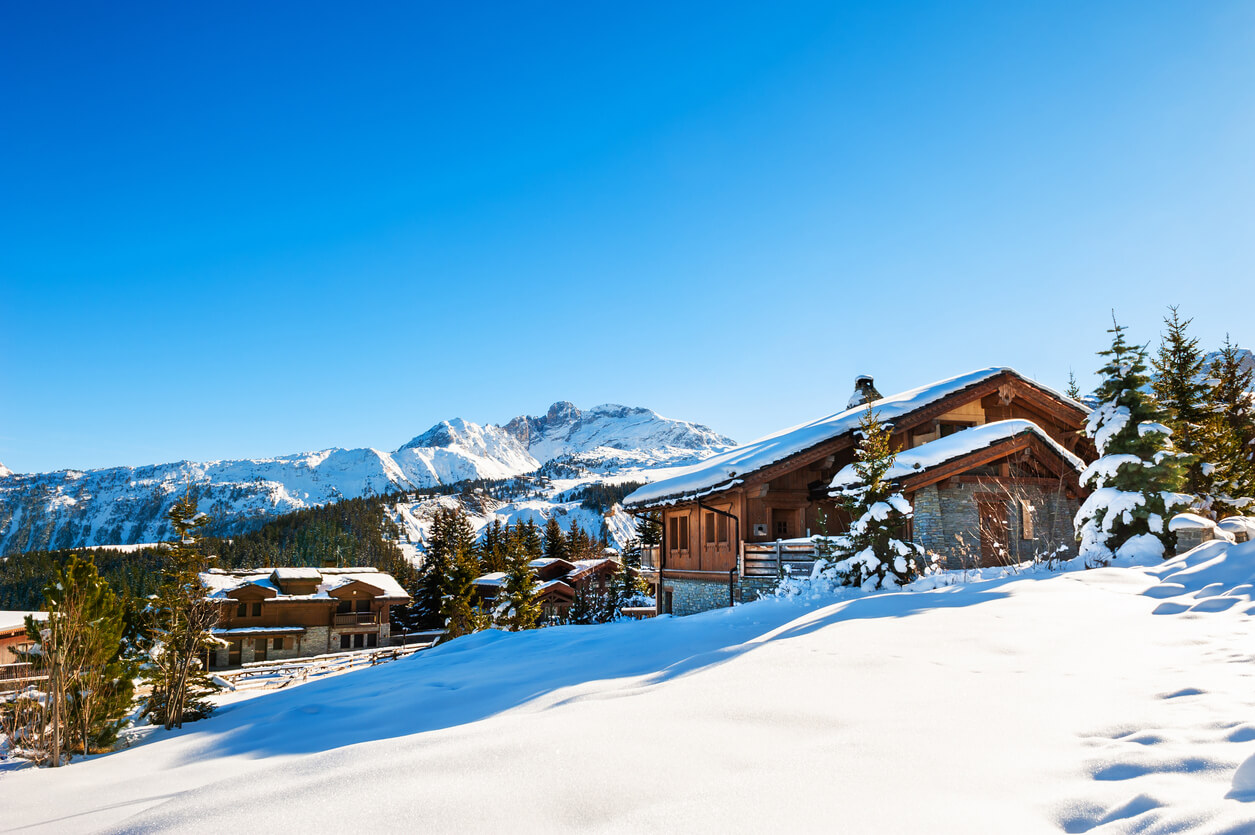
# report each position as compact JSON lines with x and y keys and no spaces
{"x":1111,"y":700}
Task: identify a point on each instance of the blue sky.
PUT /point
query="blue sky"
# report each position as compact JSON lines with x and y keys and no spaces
{"x":235,"y":231}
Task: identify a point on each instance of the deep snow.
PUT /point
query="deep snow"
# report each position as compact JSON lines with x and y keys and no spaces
{"x":1110,"y":700}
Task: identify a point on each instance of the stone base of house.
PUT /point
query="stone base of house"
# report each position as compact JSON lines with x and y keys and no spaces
{"x":947,"y":522}
{"x":688,"y":597}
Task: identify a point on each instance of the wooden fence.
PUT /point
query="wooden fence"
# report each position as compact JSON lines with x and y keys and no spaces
{"x":778,"y":559}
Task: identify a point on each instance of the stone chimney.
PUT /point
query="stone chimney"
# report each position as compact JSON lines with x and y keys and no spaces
{"x":864,"y":392}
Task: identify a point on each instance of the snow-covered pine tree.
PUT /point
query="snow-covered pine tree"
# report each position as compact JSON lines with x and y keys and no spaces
{"x":1230,"y":438}
{"x":870,"y":554}
{"x":1182,"y":393}
{"x":584,"y":607}
{"x":1136,"y":479}
{"x":184,"y":619}
{"x":517,"y":607}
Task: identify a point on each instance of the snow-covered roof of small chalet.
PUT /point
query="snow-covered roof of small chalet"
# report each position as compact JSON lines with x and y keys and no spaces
{"x":222,"y":583}
{"x":12,"y":619}
{"x":925,"y":457}
{"x":727,"y":469}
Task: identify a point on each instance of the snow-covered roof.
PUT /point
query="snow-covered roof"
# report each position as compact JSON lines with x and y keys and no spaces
{"x":14,"y":619}
{"x":726,"y":469}
{"x":924,"y":457}
{"x":260,"y":630}
{"x":221,"y":583}
{"x":494,"y":578}
{"x":287,"y":574}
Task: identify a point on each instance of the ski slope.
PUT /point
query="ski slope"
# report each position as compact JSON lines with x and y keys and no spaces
{"x":1111,"y":700}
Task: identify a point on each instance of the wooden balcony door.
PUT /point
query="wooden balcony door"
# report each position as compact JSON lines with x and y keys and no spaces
{"x":233,"y":653}
{"x":259,"y":648}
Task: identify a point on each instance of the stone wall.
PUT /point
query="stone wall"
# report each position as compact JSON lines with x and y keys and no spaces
{"x":947,"y":521}
{"x":692,"y":596}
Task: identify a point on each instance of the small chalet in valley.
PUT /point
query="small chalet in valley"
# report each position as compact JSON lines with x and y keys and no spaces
{"x":13,"y":638}
{"x":556,"y":582}
{"x":990,"y":461}
{"x":278,"y":613}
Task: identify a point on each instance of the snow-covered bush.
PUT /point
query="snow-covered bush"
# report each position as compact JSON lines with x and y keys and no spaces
{"x":1135,"y":481}
{"x":870,"y":555}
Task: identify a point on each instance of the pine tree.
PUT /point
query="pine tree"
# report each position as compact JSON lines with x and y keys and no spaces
{"x":184,"y":619}
{"x":495,"y":547}
{"x":1073,"y":390}
{"x":584,"y":607}
{"x":1135,"y":482}
{"x":870,"y":555}
{"x":1229,"y":441}
{"x":451,"y":536}
{"x":1182,"y":394}
{"x":555,"y":544}
{"x":83,"y":652}
{"x":460,"y":605}
{"x":517,"y":605}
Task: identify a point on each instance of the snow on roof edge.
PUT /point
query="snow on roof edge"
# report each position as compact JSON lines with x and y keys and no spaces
{"x":720,"y":471}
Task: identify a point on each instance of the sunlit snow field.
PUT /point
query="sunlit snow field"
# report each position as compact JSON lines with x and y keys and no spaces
{"x":1111,"y":700}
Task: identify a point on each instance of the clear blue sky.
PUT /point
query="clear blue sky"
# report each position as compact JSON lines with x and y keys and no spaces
{"x":251,"y":229}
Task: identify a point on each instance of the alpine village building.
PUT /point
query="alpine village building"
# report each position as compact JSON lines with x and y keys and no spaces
{"x":556,"y":582}
{"x":269,"y":614}
{"x":990,"y":461}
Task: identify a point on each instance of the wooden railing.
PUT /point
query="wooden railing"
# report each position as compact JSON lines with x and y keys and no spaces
{"x":357,"y":619}
{"x":778,"y":559}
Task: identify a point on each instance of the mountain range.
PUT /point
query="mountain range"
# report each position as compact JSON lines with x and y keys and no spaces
{"x":127,"y":505}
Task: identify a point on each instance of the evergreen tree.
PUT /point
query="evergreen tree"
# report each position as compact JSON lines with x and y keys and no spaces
{"x":870,"y":555}
{"x":579,"y":545}
{"x":450,"y":551}
{"x":1230,"y":437}
{"x":460,"y":606}
{"x":1073,"y":390}
{"x":555,"y":544}
{"x":530,"y":540}
{"x":517,"y":605}
{"x":584,"y":607}
{"x":1135,"y":481}
{"x":184,"y":619}
{"x":1182,"y":394}
{"x":495,"y":547}
{"x":625,"y":589}
{"x":83,"y":651}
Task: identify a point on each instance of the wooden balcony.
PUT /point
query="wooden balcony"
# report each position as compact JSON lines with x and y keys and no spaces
{"x":357,"y":619}
{"x":778,"y":559}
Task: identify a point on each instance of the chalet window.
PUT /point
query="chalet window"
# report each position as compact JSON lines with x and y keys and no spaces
{"x":241,"y":611}
{"x":372,"y":640}
{"x":344,"y":607}
{"x":721,"y":534}
{"x":278,"y":644}
{"x":679,"y":533}
{"x":710,"y":528}
{"x":782,"y":529}
{"x":950,"y":428}
{"x":363,"y":605}
{"x":346,"y":641}
{"x":256,"y":610}
{"x":1026,"y":520}
{"x":359,"y":640}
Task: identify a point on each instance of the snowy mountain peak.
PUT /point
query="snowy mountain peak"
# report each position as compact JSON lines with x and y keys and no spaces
{"x":446,"y":433}
{"x":5,"y":471}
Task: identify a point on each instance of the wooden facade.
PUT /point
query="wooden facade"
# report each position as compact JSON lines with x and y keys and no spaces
{"x":269,"y":614}
{"x":703,"y":538}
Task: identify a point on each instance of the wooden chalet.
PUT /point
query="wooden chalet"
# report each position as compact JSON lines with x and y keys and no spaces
{"x":989,"y":459}
{"x":279,"y":613}
{"x":556,"y":580}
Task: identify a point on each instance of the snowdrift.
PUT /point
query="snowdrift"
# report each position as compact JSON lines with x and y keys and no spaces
{"x":1112,"y":700}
